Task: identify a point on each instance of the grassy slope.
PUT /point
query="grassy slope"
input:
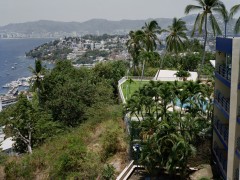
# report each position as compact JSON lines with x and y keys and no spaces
{"x":81,"y":153}
{"x":129,"y":88}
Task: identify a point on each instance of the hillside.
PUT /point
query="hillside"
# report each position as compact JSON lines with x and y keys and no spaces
{"x":84,"y":152}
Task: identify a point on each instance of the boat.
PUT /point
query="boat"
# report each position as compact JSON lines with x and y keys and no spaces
{"x":13,"y":67}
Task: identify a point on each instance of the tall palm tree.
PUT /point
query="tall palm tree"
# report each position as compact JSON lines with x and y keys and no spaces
{"x":150,"y":39}
{"x":206,"y":8}
{"x":176,"y":35}
{"x":228,"y":16}
{"x":134,"y":47}
{"x":150,"y":30}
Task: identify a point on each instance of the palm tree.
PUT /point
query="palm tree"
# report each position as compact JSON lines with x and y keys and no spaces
{"x":149,"y":39}
{"x":165,"y":97}
{"x":206,"y":7}
{"x":176,"y":35}
{"x":150,"y":31}
{"x":228,"y":16}
{"x":134,"y":47}
{"x":37,"y":76}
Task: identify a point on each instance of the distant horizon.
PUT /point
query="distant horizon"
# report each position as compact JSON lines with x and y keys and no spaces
{"x":93,"y":19}
{"x":15,"y":11}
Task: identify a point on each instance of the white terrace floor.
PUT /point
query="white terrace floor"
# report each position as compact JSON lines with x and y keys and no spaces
{"x":169,"y":75}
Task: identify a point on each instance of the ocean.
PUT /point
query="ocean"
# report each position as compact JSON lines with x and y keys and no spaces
{"x":13,"y":62}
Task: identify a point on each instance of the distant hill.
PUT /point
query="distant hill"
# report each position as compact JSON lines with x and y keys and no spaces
{"x":93,"y":26}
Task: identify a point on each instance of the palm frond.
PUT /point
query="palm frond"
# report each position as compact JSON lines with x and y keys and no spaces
{"x":237,"y":26}
{"x":223,"y":12}
{"x":195,"y":24}
{"x":234,"y":10}
{"x":190,"y":8}
{"x":214,"y":24}
{"x":201,"y":21}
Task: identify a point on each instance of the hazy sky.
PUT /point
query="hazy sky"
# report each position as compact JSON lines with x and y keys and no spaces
{"x":15,"y":11}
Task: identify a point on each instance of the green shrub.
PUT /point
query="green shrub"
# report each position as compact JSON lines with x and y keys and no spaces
{"x":19,"y":170}
{"x":3,"y":158}
{"x":110,"y":142}
{"x":108,"y":172}
{"x":150,"y":71}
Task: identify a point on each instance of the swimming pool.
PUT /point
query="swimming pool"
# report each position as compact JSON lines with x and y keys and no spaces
{"x":201,"y":104}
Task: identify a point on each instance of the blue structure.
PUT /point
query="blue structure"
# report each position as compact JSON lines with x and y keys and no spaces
{"x":226,"y":123}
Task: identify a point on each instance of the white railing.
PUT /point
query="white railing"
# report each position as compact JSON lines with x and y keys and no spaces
{"x":126,"y":172}
{"x":120,"y":82}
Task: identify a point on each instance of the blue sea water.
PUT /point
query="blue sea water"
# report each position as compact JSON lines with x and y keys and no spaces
{"x":13,"y":62}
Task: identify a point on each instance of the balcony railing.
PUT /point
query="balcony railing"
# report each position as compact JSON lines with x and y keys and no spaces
{"x":221,"y":156}
{"x":238,"y":148}
{"x":224,"y":71}
{"x":223,"y":101}
{"x":222,"y":129}
{"x":238,"y":143}
{"x":236,"y":177}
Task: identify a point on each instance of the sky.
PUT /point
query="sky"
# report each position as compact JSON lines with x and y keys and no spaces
{"x":18,"y":11}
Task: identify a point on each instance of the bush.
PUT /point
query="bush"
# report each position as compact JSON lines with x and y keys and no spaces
{"x":150,"y":72}
{"x":182,"y":74}
{"x":110,"y":143}
{"x":75,"y":161}
{"x":19,"y":170}
{"x":108,"y":172}
{"x":3,"y":158}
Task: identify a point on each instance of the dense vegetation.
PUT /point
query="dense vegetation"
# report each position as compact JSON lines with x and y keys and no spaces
{"x":83,"y":152}
{"x":68,"y":105}
{"x":169,"y":121}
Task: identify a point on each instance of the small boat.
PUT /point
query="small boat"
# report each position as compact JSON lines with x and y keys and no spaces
{"x":13,"y":67}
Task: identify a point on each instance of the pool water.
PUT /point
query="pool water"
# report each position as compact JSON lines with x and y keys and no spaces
{"x":201,"y":104}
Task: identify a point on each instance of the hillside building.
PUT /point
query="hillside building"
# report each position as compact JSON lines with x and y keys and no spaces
{"x":226,"y":122}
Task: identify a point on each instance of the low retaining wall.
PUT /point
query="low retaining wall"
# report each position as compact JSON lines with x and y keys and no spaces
{"x":126,"y":172}
{"x":120,"y":82}
{"x":124,"y":79}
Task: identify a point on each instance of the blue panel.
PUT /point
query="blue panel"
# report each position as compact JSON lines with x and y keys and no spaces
{"x":223,"y":80}
{"x":221,"y":139}
{"x":237,"y":153}
{"x":225,"y":113}
{"x":219,"y":165}
{"x":224,"y":45}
